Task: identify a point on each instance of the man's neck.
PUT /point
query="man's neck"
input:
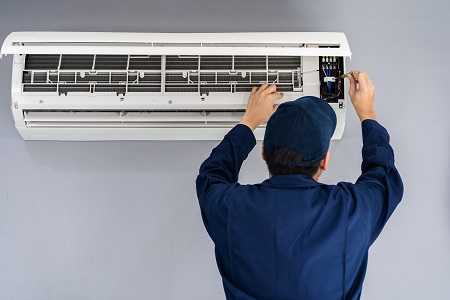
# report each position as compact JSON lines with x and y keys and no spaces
{"x":315,"y":177}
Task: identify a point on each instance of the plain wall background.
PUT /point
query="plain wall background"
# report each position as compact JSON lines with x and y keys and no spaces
{"x":120,"y":220}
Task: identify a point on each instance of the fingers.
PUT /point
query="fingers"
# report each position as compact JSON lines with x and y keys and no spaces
{"x":355,"y":74}
{"x":361,"y":78}
{"x":367,"y":82}
{"x":359,"y":81}
{"x":364,"y":81}
{"x":266,"y":89}
{"x":269,"y":90}
{"x":260,"y":105}
{"x":275,"y":96}
{"x":263,"y":87}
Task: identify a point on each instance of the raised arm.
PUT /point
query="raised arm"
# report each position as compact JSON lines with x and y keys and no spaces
{"x":223,"y":165}
{"x":380,"y":184}
{"x":220,"y":170}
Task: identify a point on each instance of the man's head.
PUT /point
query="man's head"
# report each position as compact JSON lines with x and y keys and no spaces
{"x":298,"y":136}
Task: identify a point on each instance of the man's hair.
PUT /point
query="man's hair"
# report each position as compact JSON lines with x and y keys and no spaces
{"x":281,"y":160}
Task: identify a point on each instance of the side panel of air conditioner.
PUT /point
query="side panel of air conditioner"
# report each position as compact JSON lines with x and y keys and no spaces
{"x":73,"y":88}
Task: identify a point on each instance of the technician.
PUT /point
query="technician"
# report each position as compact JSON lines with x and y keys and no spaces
{"x":291,"y":237}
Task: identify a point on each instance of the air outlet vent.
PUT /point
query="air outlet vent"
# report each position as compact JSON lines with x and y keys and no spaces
{"x":130,"y":119}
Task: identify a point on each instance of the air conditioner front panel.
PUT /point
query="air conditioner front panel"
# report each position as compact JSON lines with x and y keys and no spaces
{"x":255,"y":43}
{"x":119,"y":86}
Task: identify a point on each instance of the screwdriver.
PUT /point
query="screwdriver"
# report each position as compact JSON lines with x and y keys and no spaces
{"x":345,"y":75}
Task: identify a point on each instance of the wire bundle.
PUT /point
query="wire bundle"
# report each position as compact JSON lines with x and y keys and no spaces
{"x":328,"y":82}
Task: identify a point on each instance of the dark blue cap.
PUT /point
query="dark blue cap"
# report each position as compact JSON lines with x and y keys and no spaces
{"x":305,"y":125}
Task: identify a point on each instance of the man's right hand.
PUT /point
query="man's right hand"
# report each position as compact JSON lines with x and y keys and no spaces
{"x":260,"y":105}
{"x":362,"y":95}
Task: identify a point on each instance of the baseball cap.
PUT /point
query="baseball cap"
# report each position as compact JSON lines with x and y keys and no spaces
{"x":305,"y":125}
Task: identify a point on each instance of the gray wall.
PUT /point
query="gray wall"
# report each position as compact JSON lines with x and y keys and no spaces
{"x":120,"y":220}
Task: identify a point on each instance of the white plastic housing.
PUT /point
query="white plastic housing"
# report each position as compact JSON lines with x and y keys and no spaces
{"x":157,"y":86}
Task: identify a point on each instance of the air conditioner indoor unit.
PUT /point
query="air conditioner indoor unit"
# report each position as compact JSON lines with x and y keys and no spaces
{"x":163,"y":86}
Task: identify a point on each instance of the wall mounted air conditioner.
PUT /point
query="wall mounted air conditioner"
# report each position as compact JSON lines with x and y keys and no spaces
{"x":163,"y":86}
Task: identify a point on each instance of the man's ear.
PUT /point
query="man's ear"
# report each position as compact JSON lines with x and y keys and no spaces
{"x":324,"y":162}
{"x":263,"y":155}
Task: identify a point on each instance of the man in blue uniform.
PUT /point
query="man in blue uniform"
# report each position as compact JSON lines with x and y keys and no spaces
{"x":291,"y":237}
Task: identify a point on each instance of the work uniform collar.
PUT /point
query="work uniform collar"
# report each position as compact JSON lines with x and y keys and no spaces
{"x":290,"y":181}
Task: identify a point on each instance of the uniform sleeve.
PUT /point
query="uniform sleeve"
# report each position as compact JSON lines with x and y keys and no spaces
{"x":380,"y":184}
{"x":219,"y":173}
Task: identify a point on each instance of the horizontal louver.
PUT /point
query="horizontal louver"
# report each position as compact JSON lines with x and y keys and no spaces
{"x":130,"y":118}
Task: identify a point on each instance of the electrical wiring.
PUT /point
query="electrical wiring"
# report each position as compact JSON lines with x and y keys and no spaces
{"x":331,"y":68}
{"x":328,"y":75}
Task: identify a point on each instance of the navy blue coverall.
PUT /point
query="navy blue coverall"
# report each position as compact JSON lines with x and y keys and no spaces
{"x":291,"y":237}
